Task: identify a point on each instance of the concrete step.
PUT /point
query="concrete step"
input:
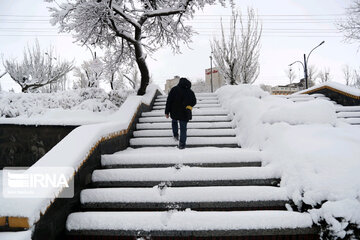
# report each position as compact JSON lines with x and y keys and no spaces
{"x":198,"y":106}
{"x":195,"y":112}
{"x":348,"y":114}
{"x":194,"y":119}
{"x":198,"y":101}
{"x":353,"y":121}
{"x":348,"y":109}
{"x":185,"y":176}
{"x":191,"y":224}
{"x":190,"y":142}
{"x":190,"y":125}
{"x":197,"y":95}
{"x":171,"y":157}
{"x":195,"y":198}
{"x":190,"y":133}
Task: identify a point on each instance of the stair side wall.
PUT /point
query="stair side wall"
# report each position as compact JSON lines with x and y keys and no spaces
{"x":51,"y":225}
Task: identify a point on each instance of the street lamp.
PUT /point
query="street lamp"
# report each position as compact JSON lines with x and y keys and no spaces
{"x":305,"y":64}
{"x":211,"y":73}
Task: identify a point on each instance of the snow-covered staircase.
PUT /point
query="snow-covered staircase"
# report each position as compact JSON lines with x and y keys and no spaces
{"x":156,"y":191}
{"x":210,"y":126}
{"x":350,"y":114}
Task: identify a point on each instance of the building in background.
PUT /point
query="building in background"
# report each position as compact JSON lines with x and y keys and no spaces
{"x":288,"y":89}
{"x":217,"y":79}
{"x":170,"y":83}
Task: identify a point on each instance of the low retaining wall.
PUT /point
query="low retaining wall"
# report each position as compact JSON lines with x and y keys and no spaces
{"x":336,"y":95}
{"x":24,"y":145}
{"x":51,"y":225}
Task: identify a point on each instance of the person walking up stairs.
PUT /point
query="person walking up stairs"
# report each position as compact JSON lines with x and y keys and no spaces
{"x":179,"y":105}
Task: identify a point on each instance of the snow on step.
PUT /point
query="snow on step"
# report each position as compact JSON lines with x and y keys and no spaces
{"x":188,"y":220}
{"x":196,"y":106}
{"x":348,"y":114}
{"x":195,"y":112}
{"x":194,"y":119}
{"x":190,"y":141}
{"x":172,"y":155}
{"x":190,"y":133}
{"x":200,"y":101}
{"x":190,"y":125}
{"x":183,"y":174}
{"x":198,"y":95}
{"x":348,"y":109}
{"x":184,"y":194}
{"x":302,"y":95}
{"x":355,"y":121}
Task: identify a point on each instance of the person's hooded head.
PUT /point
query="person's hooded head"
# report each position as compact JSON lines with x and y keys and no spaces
{"x":184,"y":83}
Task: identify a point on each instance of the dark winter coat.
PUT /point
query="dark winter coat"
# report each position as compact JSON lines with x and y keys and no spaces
{"x":179,"y":97}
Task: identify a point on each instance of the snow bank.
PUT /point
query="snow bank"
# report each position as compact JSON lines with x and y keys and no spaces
{"x":316,"y":154}
{"x":71,"y":151}
{"x":76,"y":107}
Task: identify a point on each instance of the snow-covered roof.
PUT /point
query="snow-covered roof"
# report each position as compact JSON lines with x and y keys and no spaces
{"x":336,"y":87}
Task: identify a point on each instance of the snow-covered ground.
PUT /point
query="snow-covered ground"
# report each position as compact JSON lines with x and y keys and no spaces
{"x":317,"y":155}
{"x":75,"y":107}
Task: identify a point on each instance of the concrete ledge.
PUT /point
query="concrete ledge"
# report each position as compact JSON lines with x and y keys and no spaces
{"x":314,"y":231}
{"x":247,"y":182}
{"x":223,"y":164}
{"x":197,"y":206}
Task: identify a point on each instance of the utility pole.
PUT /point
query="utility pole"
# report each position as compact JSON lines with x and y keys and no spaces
{"x":306,"y":73}
{"x":211,"y":73}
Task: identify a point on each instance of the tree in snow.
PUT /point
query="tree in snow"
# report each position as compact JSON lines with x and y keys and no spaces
{"x":238,"y":55}
{"x":312,"y":75}
{"x":128,"y":27}
{"x":351,"y":27}
{"x":290,"y":75}
{"x":356,"y":79}
{"x":347,"y":74}
{"x":37,"y":69}
{"x":324,"y":76}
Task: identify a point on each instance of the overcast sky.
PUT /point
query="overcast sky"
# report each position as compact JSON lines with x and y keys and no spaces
{"x":290,"y":29}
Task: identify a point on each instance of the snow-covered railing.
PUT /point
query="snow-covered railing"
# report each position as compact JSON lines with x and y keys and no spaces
{"x":72,"y":151}
{"x":338,"y":92}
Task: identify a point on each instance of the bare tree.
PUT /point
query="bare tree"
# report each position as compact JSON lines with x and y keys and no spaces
{"x":127,"y":27}
{"x":37,"y":69}
{"x":266,"y":88}
{"x":324,"y":76}
{"x":312,"y":74}
{"x":356,"y":79}
{"x":238,"y":56}
{"x":290,"y":75}
{"x":3,"y":74}
{"x":347,"y":74}
{"x":351,"y":27}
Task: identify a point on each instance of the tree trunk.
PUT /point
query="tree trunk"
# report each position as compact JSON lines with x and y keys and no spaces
{"x":140,"y":60}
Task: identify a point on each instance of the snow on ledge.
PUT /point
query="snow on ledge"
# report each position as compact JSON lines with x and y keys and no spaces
{"x":338,"y":87}
{"x":72,"y":151}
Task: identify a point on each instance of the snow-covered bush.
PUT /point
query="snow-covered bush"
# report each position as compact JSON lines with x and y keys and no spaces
{"x":91,"y":99}
{"x":316,"y":154}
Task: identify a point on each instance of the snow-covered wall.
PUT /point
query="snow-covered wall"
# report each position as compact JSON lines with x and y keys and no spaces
{"x":74,"y":151}
{"x":342,"y":94}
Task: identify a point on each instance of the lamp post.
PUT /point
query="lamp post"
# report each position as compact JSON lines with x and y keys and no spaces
{"x":211,"y":73}
{"x":305,"y":64}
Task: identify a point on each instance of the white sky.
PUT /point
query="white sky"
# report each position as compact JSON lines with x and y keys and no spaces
{"x":286,"y":37}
